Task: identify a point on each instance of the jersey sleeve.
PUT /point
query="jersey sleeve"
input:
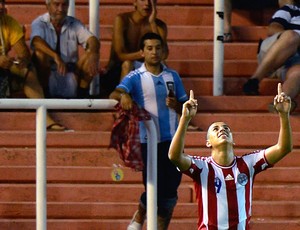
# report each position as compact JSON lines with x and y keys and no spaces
{"x":195,"y":168}
{"x":257,"y":161}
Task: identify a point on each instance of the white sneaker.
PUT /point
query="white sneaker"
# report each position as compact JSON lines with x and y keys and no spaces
{"x":134,"y":225}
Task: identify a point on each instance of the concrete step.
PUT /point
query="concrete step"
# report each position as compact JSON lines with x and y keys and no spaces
{"x":120,"y":2}
{"x":93,"y":139}
{"x":250,"y":123}
{"x":201,"y":50}
{"x":189,"y":33}
{"x":232,"y":84}
{"x":91,"y":175}
{"x":189,"y":15}
{"x":233,"y":110}
{"x":103,"y":210}
{"x":102,"y":157}
{"x":88,"y":193}
{"x":129,"y":192}
{"x":176,"y":224}
{"x":76,"y":120}
{"x":198,"y":33}
{"x":238,"y":70}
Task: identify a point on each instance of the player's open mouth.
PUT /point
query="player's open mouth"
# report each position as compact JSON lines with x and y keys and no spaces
{"x":223,"y":134}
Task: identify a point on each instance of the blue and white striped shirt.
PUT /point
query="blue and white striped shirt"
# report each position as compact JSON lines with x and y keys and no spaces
{"x":150,"y":91}
{"x":289,"y":17}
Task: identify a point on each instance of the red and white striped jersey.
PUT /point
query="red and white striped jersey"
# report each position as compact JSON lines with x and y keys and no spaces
{"x":224,"y":194}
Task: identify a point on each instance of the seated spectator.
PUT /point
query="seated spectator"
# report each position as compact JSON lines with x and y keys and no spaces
{"x":229,"y":5}
{"x":125,"y":54}
{"x":54,"y":40}
{"x":280,"y":49}
{"x":17,"y":73}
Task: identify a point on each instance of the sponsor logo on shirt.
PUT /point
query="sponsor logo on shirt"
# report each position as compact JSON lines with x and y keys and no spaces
{"x":229,"y":177}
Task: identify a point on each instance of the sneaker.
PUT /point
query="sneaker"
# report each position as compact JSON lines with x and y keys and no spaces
{"x":272,"y":109}
{"x":134,"y":225}
{"x":251,"y":87}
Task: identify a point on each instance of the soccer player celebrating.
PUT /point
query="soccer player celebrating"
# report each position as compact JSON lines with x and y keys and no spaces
{"x":224,"y":181}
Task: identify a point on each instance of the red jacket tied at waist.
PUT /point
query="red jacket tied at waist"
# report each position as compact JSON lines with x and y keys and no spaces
{"x":125,"y":135}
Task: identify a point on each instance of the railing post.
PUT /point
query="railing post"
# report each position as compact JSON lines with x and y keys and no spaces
{"x":218,"y":47}
{"x":151,"y":175}
{"x":71,"y":10}
{"x":94,"y":28}
{"x":41,"y":171}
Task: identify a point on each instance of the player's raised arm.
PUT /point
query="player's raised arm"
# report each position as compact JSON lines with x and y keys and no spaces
{"x":176,"y":154}
{"x":282,"y":103}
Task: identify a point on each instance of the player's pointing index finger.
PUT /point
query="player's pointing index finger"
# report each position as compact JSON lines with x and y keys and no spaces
{"x":191,"y":94}
{"x":279,"y":88}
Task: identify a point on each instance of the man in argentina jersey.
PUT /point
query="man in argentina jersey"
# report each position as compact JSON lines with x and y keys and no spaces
{"x":160,"y":91}
{"x":224,"y":181}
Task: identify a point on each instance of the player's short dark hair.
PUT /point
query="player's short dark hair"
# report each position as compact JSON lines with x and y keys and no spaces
{"x":151,"y":36}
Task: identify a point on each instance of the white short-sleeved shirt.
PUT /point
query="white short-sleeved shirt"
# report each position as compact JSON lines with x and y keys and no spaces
{"x":224,"y":194}
{"x":73,"y":33}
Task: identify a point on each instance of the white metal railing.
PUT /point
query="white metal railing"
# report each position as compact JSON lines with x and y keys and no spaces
{"x":151,"y":175}
{"x":95,"y":29}
{"x":41,"y":106}
{"x":218,"y":63}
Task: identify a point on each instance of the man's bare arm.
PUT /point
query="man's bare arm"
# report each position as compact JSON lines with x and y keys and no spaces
{"x":274,"y":28}
{"x":93,"y":56}
{"x":284,"y":145}
{"x":176,"y":154}
{"x":41,"y":45}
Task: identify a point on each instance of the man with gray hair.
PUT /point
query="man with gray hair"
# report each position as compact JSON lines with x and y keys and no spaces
{"x":54,"y":41}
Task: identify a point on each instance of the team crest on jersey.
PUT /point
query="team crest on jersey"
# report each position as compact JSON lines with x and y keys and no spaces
{"x":242,"y":179}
